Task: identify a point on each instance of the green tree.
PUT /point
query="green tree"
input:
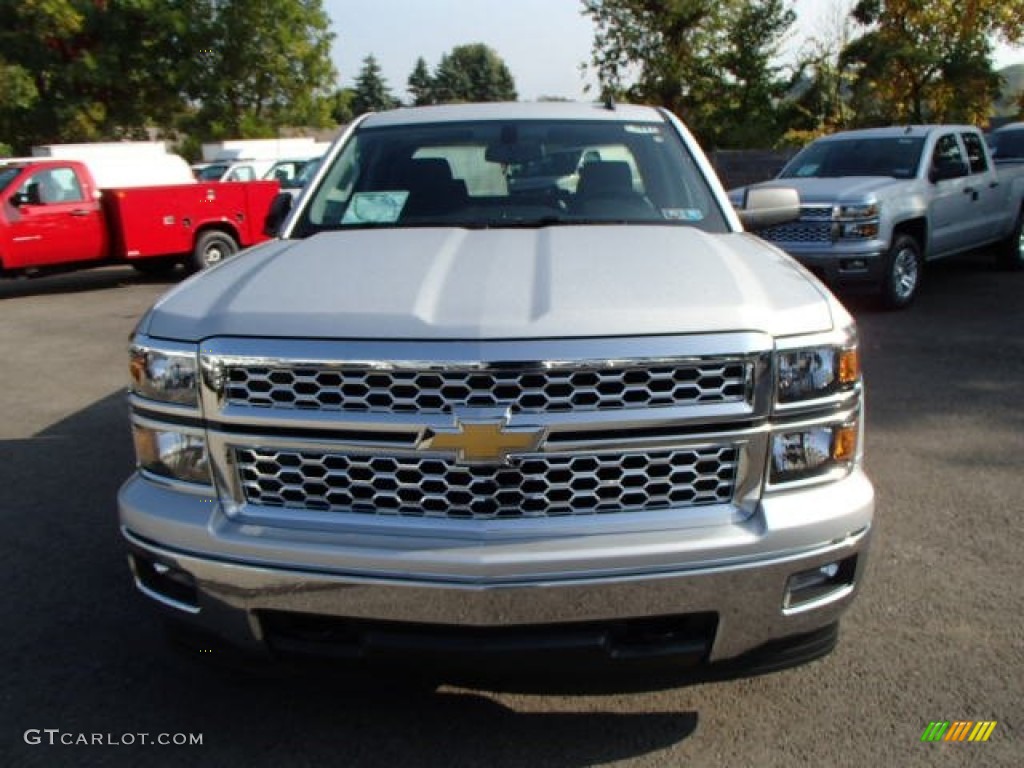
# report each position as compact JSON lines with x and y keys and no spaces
{"x":75,"y":70}
{"x":19,"y":97}
{"x":341,"y":105}
{"x":84,"y":70}
{"x":753,"y":110}
{"x":821,"y":87}
{"x":473,"y":73}
{"x":929,"y":60}
{"x":371,"y":92}
{"x":421,"y":84}
{"x":709,"y":62}
{"x":259,"y":65}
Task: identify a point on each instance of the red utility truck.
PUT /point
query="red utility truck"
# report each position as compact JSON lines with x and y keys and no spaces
{"x":53,"y":217}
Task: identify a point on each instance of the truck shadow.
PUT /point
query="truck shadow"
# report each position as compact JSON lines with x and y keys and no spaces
{"x":941,"y":287}
{"x":100,"y":279}
{"x":87,"y":655}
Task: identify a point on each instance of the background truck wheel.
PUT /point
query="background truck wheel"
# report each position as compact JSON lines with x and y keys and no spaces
{"x":1011,"y":250}
{"x":902,"y":278}
{"x":212,"y":248}
{"x":155,"y":267}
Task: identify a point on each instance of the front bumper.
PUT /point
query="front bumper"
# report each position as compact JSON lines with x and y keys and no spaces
{"x":853,"y":266}
{"x":729,"y":581}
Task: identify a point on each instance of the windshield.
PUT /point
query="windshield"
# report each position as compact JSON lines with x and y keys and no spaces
{"x":512,"y":174}
{"x":898,"y":157}
{"x":1008,"y":145}
{"x":305,"y":175}
{"x":7,"y":175}
{"x":288,"y":173}
{"x":211,"y":172}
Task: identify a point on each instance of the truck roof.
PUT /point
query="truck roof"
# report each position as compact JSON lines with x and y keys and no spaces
{"x":158,"y":170}
{"x":21,"y":162}
{"x":545,"y":110}
{"x":915,"y":131}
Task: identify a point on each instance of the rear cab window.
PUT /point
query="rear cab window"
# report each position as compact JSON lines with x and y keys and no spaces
{"x":948,"y":155}
{"x":975,"y":152}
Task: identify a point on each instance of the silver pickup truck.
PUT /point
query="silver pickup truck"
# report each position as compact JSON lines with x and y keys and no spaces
{"x":878,"y":203}
{"x":447,"y":416}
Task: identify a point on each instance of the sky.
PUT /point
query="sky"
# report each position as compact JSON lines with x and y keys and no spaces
{"x":543,"y":42}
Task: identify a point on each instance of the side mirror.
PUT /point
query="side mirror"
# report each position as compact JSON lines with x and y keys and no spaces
{"x":280,"y":207}
{"x":31,"y":196}
{"x":946,"y":169}
{"x":767,"y":206}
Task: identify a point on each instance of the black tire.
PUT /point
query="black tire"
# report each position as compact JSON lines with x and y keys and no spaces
{"x":902,"y":277}
{"x":155,"y":267}
{"x":1011,"y":250}
{"x":212,"y":247}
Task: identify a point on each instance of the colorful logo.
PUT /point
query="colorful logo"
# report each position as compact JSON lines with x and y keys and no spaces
{"x":958,"y":730}
{"x":483,"y":442}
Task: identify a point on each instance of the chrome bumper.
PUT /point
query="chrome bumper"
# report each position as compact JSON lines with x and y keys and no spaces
{"x":864,"y":264}
{"x":739,"y":572}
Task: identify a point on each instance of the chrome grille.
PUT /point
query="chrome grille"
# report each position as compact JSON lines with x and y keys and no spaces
{"x":799,"y":232}
{"x":534,"y":486}
{"x":533,"y":390}
{"x":814,"y":226}
{"x":812,"y":213}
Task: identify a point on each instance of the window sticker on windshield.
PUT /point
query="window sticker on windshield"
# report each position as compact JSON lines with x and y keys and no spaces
{"x":375,"y":207}
{"x":683,"y":214}
{"x":647,"y":129}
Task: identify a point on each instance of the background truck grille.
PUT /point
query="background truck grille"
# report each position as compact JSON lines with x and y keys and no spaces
{"x":820,"y":213}
{"x":535,"y":486}
{"x":547,"y":390}
{"x":799,"y":232}
{"x":814,"y":226}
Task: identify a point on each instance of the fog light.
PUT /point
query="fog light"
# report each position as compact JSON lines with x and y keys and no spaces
{"x":165,"y":584}
{"x":853,"y":265}
{"x":832,"y":580}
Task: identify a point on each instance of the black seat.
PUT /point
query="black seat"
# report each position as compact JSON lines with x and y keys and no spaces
{"x":600,"y":181}
{"x":432,"y":189}
{"x":606,"y":190}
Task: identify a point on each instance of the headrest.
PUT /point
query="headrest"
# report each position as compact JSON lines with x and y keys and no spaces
{"x":605,"y":178}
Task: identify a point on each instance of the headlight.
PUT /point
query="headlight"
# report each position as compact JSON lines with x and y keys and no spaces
{"x":171,"y":453}
{"x":852,"y":212}
{"x":801,"y":454}
{"x":860,"y":230}
{"x":816,"y":372}
{"x":167,"y":373}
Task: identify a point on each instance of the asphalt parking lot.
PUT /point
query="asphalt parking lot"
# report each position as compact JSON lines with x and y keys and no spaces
{"x":937,"y":633}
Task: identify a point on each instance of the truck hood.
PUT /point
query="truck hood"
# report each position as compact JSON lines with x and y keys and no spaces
{"x":441,"y":283}
{"x":841,"y":189}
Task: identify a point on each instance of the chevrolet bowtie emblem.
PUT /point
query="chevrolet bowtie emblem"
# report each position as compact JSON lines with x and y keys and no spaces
{"x":483,"y":442}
